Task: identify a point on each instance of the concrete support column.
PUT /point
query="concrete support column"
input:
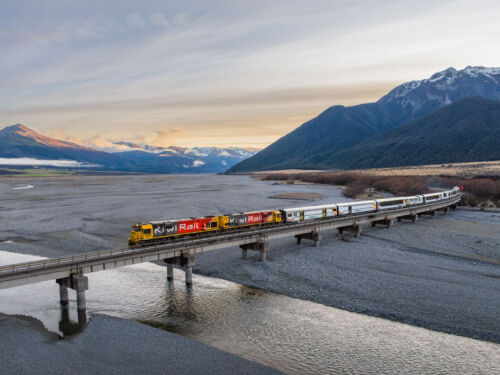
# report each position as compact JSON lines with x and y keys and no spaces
{"x":80,"y":284}
{"x":188,"y":262}
{"x":446,"y":210}
{"x":63,"y":295}
{"x":317,"y":237}
{"x":357,"y":230}
{"x":433,"y":214}
{"x":299,"y":239}
{"x":340,"y":231}
{"x":170,"y":269}
{"x":374,"y":224}
{"x":81,"y":301}
{"x":390,"y":223}
{"x":399,"y":219}
{"x":261,"y":246}
{"x":264,"y":248}
{"x":414,"y":218}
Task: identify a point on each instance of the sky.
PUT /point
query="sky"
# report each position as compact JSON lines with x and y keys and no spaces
{"x":221,"y":73}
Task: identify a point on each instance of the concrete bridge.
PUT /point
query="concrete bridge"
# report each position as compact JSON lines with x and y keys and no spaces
{"x":69,"y":272}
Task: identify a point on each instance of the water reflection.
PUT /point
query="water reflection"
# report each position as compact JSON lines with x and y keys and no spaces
{"x":69,"y":327}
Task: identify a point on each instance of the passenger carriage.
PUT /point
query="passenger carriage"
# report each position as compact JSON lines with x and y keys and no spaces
{"x":353,"y":208}
{"x":294,"y":215}
{"x":391,"y":203}
{"x":414,"y":200}
{"x":434,"y":197}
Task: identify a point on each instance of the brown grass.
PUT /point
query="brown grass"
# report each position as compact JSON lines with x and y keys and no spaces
{"x":357,"y":183}
{"x":481,"y":191}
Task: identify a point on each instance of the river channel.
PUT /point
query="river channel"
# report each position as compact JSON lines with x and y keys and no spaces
{"x":289,"y":334}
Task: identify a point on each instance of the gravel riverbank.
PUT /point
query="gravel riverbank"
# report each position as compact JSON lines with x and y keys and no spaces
{"x":440,"y":273}
{"x":111,"y":346}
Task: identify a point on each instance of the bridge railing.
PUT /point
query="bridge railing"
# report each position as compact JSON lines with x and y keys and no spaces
{"x":75,"y":261}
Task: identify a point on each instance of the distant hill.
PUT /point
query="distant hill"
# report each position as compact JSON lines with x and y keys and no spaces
{"x":19,"y":141}
{"x":468,"y":130}
{"x":316,"y":143}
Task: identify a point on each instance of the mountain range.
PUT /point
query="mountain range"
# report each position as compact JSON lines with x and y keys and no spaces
{"x":18,"y":141}
{"x":359,"y":136}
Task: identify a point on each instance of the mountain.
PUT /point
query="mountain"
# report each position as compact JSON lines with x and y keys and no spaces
{"x":18,"y":141}
{"x":316,"y":143}
{"x":467,"y":130}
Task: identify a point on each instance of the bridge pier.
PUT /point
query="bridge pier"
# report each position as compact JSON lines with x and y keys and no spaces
{"x":386,"y":222}
{"x":446,"y":210}
{"x":170,"y":268}
{"x":413,"y":218}
{"x":354,"y":229}
{"x":315,"y":236}
{"x":188,"y":263}
{"x":78,"y":283}
{"x":63,"y":295}
{"x":429,"y":213}
{"x":261,"y":246}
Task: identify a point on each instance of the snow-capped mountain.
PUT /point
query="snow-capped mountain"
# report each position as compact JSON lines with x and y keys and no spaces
{"x":187,"y":159}
{"x":232,"y":152}
{"x":317,"y":143}
{"x":19,"y":144}
{"x":413,"y":99}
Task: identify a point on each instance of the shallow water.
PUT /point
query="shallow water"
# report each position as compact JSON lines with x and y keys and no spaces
{"x":292,"y":335}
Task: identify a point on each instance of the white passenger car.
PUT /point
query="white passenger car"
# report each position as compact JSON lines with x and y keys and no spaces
{"x":434,"y":197}
{"x":416,"y":199}
{"x":293,"y":215}
{"x":390,"y":203}
{"x":356,"y":207}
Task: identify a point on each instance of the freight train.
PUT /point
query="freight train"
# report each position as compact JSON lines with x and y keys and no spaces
{"x":168,"y":230}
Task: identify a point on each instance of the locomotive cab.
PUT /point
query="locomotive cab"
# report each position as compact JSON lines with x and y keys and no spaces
{"x":140,"y":232}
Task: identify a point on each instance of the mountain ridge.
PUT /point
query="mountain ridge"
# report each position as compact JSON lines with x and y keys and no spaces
{"x":19,"y":141}
{"x":339,"y":128}
{"x":459,"y":132}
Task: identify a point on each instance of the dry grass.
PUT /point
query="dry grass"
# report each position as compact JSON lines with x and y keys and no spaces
{"x":357,"y":183}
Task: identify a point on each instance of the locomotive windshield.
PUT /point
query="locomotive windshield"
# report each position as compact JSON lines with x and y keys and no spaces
{"x":136,"y":228}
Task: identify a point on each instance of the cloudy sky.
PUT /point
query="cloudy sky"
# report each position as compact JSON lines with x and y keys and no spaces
{"x":221,"y":73}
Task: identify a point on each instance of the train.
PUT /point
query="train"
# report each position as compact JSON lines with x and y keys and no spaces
{"x":168,"y":230}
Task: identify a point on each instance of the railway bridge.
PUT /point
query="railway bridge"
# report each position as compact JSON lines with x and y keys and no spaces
{"x":69,"y":271}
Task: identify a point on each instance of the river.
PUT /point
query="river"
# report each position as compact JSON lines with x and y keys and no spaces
{"x":292,"y":335}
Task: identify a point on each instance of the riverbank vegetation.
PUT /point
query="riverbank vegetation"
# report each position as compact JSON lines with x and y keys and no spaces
{"x":483,"y":191}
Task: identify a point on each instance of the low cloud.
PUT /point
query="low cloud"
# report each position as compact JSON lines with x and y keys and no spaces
{"x":48,"y":163}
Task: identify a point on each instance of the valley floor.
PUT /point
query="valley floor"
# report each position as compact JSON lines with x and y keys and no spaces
{"x":439,"y":273}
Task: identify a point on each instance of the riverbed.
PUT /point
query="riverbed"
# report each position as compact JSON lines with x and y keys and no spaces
{"x":306,"y":310}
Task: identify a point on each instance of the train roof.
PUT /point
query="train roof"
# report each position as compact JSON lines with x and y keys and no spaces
{"x":319,"y":207}
{"x":391,"y":199}
{"x":355,"y":203}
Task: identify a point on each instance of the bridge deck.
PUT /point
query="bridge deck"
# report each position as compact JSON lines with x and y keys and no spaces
{"x":56,"y":268}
